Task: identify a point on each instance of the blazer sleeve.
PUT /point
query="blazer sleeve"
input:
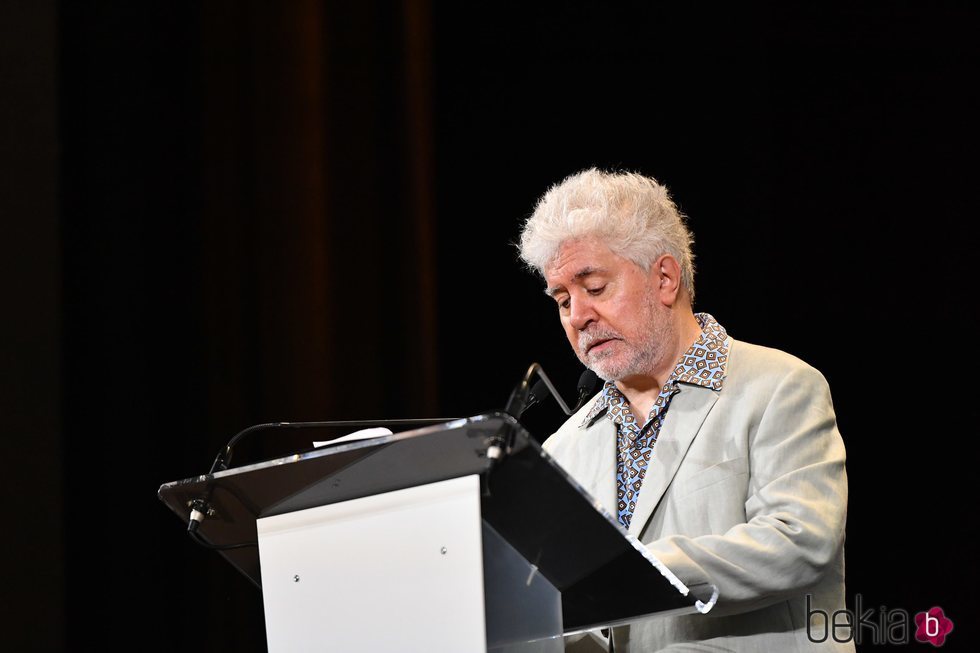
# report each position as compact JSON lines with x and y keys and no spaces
{"x":795,"y":507}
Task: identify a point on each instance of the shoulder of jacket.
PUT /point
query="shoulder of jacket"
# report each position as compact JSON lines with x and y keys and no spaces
{"x":751,"y":361}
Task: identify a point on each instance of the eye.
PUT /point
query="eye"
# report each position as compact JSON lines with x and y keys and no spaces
{"x":595,"y":291}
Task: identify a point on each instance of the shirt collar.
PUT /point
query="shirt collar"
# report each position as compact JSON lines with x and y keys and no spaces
{"x":704,"y":363}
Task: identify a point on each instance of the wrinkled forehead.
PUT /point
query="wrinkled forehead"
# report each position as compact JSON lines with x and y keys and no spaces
{"x":577,"y":249}
{"x":577,"y":259}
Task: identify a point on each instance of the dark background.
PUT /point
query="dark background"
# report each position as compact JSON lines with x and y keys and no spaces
{"x":215,"y":214}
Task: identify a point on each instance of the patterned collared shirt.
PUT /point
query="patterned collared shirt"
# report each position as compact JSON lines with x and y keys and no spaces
{"x":703,"y":364}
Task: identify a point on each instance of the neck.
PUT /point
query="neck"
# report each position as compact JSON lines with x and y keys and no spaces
{"x":641,"y":390}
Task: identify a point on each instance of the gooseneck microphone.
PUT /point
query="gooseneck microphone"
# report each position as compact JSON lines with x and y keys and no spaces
{"x":524,"y":396}
{"x":521,"y":397}
{"x":542,"y":388}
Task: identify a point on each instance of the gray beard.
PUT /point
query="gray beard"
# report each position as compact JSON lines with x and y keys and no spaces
{"x":639,"y":361}
{"x":643,"y":357}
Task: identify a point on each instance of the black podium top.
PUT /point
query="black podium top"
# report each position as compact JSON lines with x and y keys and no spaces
{"x":527,"y":498}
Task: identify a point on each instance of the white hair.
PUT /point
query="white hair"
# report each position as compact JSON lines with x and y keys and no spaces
{"x":632,"y":214}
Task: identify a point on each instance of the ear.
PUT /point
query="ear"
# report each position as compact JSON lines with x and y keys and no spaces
{"x":665,"y":275}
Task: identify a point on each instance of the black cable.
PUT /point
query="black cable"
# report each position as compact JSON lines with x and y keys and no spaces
{"x":223,"y":459}
{"x":200,"y":507}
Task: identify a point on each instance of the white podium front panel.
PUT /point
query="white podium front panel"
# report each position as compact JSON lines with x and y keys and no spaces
{"x":399,"y":571}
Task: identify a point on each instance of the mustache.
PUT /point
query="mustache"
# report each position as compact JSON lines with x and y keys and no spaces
{"x":588,"y":338}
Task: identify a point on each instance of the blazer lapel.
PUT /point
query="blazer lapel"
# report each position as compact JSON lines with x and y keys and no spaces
{"x":688,"y":410}
{"x":598,"y":452}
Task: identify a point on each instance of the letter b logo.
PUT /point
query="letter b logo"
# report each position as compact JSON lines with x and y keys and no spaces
{"x":933,"y":626}
{"x":810,"y":613}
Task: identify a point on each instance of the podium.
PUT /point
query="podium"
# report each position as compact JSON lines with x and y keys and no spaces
{"x":422,"y":541}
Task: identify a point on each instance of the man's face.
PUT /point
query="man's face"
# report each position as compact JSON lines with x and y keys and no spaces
{"x":610,"y":310}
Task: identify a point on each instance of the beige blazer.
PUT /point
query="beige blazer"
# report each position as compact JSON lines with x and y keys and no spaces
{"x":746,"y":490}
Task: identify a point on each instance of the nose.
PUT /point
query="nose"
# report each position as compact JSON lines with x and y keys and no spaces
{"x":582,"y":313}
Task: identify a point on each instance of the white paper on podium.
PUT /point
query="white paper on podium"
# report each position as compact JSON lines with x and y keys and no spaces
{"x":363,"y":434}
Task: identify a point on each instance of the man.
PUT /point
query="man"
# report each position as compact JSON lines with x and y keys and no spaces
{"x":723,"y":458}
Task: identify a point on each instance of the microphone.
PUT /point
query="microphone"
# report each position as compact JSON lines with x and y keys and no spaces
{"x":541,"y":389}
{"x":586,"y":387}
{"x":523,"y":396}
{"x":538,"y":392}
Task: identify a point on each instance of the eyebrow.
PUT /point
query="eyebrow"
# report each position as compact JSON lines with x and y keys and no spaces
{"x":584,"y":272}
